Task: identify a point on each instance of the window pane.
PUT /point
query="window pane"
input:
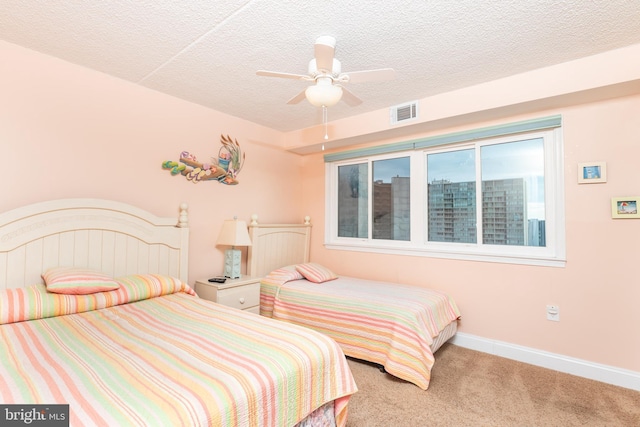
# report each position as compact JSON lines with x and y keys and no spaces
{"x":451,"y":191}
{"x":391,"y":199}
{"x":513,"y":205}
{"x":353,"y":201}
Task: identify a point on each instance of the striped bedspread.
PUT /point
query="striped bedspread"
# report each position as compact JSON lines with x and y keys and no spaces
{"x":385,"y":323}
{"x":173,"y":360}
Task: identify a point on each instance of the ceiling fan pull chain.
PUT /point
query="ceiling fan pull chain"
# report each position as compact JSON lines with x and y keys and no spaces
{"x":324,"y":120}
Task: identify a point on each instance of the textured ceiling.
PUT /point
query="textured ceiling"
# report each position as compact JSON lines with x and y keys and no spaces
{"x":208,"y":52}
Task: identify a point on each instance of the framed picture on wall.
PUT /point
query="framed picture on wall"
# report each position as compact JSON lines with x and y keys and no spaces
{"x":592,"y":173}
{"x":625,"y":207}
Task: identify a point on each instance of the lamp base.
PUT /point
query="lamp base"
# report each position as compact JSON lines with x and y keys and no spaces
{"x":232,"y":263}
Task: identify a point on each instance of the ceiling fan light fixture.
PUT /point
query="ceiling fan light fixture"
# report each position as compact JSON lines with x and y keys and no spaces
{"x":326,"y":71}
{"x":322,"y":95}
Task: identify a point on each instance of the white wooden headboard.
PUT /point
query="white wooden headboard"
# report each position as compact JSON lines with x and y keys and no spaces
{"x":115,"y":238}
{"x":277,"y":245}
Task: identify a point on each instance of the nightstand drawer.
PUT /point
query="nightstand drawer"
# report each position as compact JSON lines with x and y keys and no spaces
{"x":241,"y":297}
{"x":242,"y":293}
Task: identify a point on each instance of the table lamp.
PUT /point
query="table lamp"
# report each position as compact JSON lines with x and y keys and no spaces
{"x":234,"y":233}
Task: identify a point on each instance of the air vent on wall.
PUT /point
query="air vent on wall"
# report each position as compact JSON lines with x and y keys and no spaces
{"x":403,"y":112}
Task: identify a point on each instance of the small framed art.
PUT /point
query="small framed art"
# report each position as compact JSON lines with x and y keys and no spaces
{"x":625,"y":207}
{"x":592,"y":173}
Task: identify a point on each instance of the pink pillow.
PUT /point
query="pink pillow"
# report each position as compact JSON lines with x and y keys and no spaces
{"x":77,"y":281}
{"x":285,"y":274}
{"x":315,"y":272}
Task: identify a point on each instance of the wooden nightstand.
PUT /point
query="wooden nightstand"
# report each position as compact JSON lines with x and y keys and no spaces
{"x":242,"y":293}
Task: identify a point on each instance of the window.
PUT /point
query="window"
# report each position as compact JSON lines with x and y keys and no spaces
{"x":390,"y":199}
{"x":497,"y":198}
{"x":353,"y":196}
{"x":390,"y":204}
{"x":513,"y":211}
{"x":451,"y":196}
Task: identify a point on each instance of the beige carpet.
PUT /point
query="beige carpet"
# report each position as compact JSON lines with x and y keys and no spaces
{"x":470,"y":388}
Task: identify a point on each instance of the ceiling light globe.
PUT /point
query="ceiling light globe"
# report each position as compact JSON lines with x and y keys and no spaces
{"x":323,"y":95}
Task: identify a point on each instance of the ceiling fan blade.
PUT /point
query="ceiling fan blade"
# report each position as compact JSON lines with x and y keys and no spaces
{"x":296,"y":99}
{"x":324,"y":51}
{"x":283,"y":75}
{"x":368,"y":75}
{"x":351,"y":99}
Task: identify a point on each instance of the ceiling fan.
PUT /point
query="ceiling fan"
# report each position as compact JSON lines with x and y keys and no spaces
{"x":326,"y":72}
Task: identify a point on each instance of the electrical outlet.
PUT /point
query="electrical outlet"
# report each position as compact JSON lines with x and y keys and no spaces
{"x":553,"y":313}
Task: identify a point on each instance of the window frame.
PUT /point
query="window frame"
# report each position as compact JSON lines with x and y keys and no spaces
{"x":553,"y":254}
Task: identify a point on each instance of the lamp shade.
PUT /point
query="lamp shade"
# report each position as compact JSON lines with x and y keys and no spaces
{"x":234,"y":233}
{"x":324,"y":93}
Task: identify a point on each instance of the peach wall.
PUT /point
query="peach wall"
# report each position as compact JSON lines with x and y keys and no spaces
{"x":67,"y":132}
{"x":597,"y":292}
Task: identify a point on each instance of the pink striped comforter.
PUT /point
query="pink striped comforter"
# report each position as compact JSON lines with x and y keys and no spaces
{"x":385,"y":323}
{"x":169,"y":360}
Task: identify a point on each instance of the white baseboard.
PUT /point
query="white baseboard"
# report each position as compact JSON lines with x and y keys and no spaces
{"x":582,"y":368}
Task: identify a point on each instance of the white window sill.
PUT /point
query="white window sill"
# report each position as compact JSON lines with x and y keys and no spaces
{"x":467,"y":255}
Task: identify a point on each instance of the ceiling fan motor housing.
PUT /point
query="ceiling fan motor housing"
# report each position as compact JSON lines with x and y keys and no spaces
{"x":336,"y":69}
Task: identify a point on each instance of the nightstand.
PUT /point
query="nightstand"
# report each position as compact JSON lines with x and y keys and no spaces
{"x":242,"y":293}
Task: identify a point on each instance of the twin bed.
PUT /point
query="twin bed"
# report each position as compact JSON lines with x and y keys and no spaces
{"x":123,"y":340}
{"x":395,"y":326}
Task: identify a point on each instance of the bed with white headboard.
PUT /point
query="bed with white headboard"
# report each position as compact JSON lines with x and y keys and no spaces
{"x":113,"y":237}
{"x":146,"y":351}
{"x":277,"y":245}
{"x":397,"y":326}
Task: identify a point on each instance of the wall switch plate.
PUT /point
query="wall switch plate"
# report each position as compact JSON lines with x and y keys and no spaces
{"x":553,"y":313}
